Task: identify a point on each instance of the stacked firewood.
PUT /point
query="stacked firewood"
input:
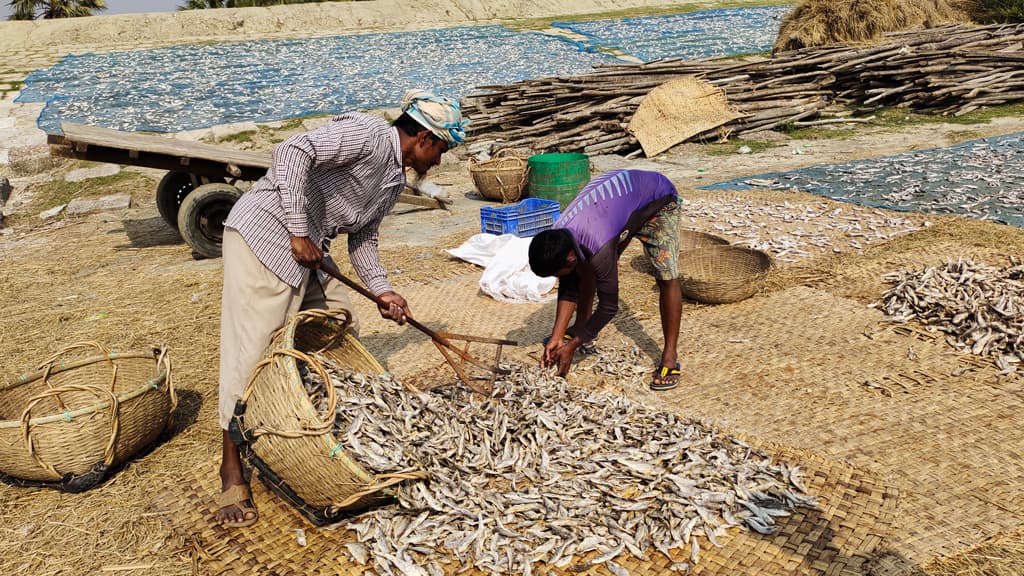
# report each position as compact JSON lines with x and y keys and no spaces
{"x":949,"y":70}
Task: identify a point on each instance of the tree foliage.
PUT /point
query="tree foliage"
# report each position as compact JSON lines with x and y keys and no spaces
{"x":33,"y":9}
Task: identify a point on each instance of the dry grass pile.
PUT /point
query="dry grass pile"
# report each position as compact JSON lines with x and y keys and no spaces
{"x":853,"y":22}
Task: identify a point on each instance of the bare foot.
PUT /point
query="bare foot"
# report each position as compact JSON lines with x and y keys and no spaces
{"x":236,"y":508}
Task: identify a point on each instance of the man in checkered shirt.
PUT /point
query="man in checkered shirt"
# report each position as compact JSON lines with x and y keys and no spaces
{"x":342,"y":178}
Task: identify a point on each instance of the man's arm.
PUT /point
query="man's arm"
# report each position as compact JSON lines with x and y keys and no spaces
{"x":365,"y":258}
{"x":604,"y":272}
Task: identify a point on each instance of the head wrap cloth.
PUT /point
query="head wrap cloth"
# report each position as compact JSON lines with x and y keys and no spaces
{"x":440,"y":114}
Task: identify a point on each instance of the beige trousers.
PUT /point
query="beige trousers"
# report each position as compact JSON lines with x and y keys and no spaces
{"x":256,"y":303}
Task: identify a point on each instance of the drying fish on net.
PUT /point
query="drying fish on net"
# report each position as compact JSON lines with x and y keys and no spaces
{"x":544,"y":472}
{"x":979,"y":307}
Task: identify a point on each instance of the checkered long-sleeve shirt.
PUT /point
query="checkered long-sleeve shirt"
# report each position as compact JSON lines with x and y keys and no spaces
{"x":342,"y":178}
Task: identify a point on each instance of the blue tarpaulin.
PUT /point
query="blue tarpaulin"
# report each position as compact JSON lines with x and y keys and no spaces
{"x":195,"y":86}
{"x":981,"y":179}
{"x":703,"y":34}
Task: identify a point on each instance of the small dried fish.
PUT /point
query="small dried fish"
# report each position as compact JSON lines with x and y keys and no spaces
{"x":545,"y":472}
{"x":979,"y":307}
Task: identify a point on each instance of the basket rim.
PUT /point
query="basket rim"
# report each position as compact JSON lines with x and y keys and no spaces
{"x":494,"y":164}
{"x":698,"y":251}
{"x":151,"y":384}
{"x":713,"y":239}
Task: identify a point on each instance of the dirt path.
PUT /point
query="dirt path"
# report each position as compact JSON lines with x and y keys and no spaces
{"x":696,"y":167}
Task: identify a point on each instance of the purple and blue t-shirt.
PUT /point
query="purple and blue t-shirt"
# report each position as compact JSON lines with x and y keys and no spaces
{"x":616,"y":202}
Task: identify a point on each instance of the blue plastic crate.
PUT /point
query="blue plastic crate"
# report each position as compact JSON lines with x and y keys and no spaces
{"x":524,"y":218}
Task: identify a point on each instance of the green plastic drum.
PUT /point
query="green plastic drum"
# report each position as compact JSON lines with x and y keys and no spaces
{"x":558,"y":176}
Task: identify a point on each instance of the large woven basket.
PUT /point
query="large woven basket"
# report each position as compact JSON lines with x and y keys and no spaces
{"x":68,"y":424}
{"x":503,"y":178}
{"x":722,"y":274}
{"x":690,"y":239}
{"x":290,"y":443}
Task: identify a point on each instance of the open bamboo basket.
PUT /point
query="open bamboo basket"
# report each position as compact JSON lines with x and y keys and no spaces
{"x":690,"y":239}
{"x":71,"y":422}
{"x":501,"y":178}
{"x":720,"y":274}
{"x":290,"y":443}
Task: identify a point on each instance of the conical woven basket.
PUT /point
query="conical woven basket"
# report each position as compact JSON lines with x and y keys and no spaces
{"x":282,"y":434}
{"x":501,"y":178}
{"x":67,"y":424}
{"x":722,"y":274}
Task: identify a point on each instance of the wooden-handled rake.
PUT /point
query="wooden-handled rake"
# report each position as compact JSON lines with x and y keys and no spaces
{"x":457,"y":358}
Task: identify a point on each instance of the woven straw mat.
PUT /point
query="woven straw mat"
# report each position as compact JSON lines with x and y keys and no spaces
{"x":453,"y":305}
{"x":677,"y":110}
{"x":831,"y":377}
{"x":854,"y":513}
{"x":950,"y":444}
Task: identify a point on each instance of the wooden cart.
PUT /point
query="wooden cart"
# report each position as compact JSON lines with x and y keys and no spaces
{"x":199,"y":189}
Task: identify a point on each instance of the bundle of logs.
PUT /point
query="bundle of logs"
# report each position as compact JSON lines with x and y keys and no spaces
{"x":948,"y":70}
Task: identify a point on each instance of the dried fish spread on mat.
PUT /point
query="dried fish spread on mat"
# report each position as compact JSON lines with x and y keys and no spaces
{"x":979,"y":307}
{"x":544,"y":472}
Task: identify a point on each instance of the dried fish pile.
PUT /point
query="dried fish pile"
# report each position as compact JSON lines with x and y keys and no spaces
{"x":794,"y":231}
{"x":549,"y":474}
{"x":979,"y":307}
{"x":946,"y":70}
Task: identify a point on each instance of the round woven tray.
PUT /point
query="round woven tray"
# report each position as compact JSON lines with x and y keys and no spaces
{"x":280,"y":432}
{"x":503,"y":179}
{"x":67,"y":424}
{"x":722,"y":274}
{"x":690,"y":239}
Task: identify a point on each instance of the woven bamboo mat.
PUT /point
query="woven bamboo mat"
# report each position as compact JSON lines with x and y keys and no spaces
{"x":839,"y":537}
{"x":452,"y":305}
{"x":821,"y":373}
{"x":677,"y":110}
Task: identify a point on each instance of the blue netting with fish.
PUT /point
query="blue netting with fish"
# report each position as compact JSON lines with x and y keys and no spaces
{"x":194,"y":86}
{"x":981,"y":179}
{"x":703,"y":34}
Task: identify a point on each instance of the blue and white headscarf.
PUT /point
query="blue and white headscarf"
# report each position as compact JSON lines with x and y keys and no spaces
{"x":440,"y":114}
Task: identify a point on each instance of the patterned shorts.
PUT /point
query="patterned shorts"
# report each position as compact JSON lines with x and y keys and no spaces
{"x":660,"y":236}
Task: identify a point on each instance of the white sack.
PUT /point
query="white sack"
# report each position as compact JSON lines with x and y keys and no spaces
{"x":507,"y":276}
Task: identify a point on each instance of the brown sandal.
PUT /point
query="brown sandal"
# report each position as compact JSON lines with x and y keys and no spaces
{"x":240,"y":497}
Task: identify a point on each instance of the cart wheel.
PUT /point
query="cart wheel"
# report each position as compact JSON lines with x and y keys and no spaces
{"x":170,"y":192}
{"x":202,"y":214}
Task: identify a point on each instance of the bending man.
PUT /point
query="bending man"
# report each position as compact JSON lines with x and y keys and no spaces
{"x":583,"y":248}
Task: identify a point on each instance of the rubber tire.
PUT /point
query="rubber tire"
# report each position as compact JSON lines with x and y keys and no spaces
{"x":171,"y":191}
{"x":202,"y":214}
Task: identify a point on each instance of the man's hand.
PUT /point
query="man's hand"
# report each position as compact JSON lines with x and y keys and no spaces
{"x":560,"y":354}
{"x":397,"y":308}
{"x":550,"y":350}
{"x":306,"y":253}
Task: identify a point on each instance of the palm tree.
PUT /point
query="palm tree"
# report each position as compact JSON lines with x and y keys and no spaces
{"x":33,"y":9}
